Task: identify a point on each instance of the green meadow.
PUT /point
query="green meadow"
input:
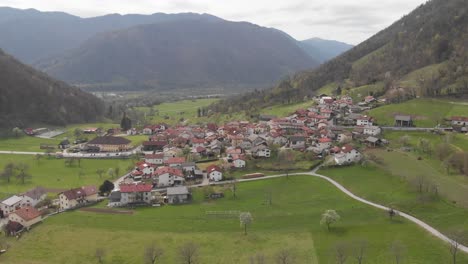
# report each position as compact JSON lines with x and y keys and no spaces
{"x":290,"y":222}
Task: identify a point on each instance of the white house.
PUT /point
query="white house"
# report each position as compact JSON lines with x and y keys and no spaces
{"x":10,"y":205}
{"x":239,"y":163}
{"x":157,"y":158}
{"x":261,"y":151}
{"x":168,"y":176}
{"x":364,"y":121}
{"x":459,"y":121}
{"x":214,"y":173}
{"x":135,"y":193}
{"x":372,"y":130}
{"x":347,"y":155}
{"x":324,"y":143}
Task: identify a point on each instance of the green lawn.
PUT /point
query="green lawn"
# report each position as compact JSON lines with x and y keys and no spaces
{"x":171,"y":113}
{"x":286,"y":109}
{"x":425,"y":112}
{"x":381,"y":186}
{"x":52,"y":173}
{"x":358,"y":93}
{"x":26,"y":143}
{"x":291,"y":222}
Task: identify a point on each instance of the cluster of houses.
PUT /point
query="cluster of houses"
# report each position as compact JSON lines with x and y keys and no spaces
{"x":20,"y":210}
{"x":24,"y":210}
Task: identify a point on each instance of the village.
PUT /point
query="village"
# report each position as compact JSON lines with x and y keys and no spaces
{"x":173,"y":159}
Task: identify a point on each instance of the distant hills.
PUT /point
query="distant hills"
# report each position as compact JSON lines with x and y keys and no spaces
{"x":166,"y":51}
{"x":28,"y":97}
{"x":30,"y":35}
{"x":425,"y":53}
{"x":323,"y":49}
{"x":183,"y":53}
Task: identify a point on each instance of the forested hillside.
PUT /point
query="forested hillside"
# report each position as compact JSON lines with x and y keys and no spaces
{"x":425,"y":53}
{"x":228,"y":56}
{"x":30,"y":97}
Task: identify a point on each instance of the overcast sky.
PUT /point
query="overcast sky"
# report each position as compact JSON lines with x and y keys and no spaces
{"x":351,"y":21}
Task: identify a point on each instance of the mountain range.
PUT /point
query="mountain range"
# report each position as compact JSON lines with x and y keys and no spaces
{"x":323,"y":49}
{"x":159,"y":51}
{"x":425,"y":53}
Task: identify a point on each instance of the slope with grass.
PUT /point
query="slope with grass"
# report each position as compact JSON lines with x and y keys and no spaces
{"x":425,"y":112}
{"x":378,"y":185}
{"x":290,"y":222}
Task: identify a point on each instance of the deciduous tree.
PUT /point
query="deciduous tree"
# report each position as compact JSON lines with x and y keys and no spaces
{"x":329,"y":217}
{"x":153,"y":253}
{"x":245,"y":220}
{"x":188,"y":253}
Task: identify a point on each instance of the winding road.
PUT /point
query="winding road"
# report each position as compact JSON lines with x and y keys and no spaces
{"x":314,"y":173}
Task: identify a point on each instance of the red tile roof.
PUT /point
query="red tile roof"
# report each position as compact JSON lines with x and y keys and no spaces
{"x":129,"y":188}
{"x":28,"y":213}
{"x":346,"y":148}
{"x":175,"y":160}
{"x":74,"y":194}
{"x":212,"y":168}
{"x":154,"y":156}
{"x":460,"y":118}
{"x":170,"y":170}
{"x":324,"y":140}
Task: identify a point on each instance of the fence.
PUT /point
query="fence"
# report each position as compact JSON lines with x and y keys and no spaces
{"x":223,"y":214}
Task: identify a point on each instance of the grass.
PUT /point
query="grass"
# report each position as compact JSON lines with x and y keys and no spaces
{"x":171,"y":113}
{"x":358,"y":93}
{"x":52,"y":173}
{"x":286,"y":109}
{"x":378,"y":185}
{"x":425,"y":112}
{"x":291,"y":222}
{"x":328,"y":89}
{"x":26,"y":143}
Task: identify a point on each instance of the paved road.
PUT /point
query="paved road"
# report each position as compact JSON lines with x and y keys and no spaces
{"x":20,"y":152}
{"x":413,"y":219}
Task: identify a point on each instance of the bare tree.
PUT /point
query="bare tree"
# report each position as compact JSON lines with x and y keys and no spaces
{"x":100,"y":172}
{"x":234,"y":187}
{"x":341,"y":252}
{"x":392,"y":213}
{"x":23,"y":173}
{"x":245,"y":220}
{"x":458,"y":237}
{"x":153,"y":253}
{"x":443,"y":150}
{"x":81,"y":173}
{"x":117,"y":171}
{"x":259,"y":258}
{"x":38,"y":158}
{"x":8,"y":171}
{"x":188,"y":253}
{"x":286,"y":160}
{"x":359,"y":250}
{"x":100,"y":254}
{"x":397,"y":250}
{"x":111,"y":172}
{"x":284,"y":256}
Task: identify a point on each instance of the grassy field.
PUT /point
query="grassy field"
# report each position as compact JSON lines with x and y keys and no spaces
{"x":425,"y":112}
{"x":358,"y":93}
{"x":286,"y":109}
{"x":171,"y":113}
{"x":291,"y":222}
{"x":378,"y":185}
{"x":26,"y":143}
{"x":52,"y":173}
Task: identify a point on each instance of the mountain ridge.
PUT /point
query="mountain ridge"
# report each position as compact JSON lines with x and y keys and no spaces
{"x":28,"y":96}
